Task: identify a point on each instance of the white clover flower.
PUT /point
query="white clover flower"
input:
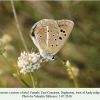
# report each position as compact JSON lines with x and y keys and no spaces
{"x":28,"y":62}
{"x":2,"y":47}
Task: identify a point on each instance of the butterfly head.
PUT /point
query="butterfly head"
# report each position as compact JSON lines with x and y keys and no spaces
{"x":47,"y":55}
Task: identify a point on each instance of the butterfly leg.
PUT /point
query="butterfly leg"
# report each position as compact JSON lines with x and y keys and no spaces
{"x":43,"y":60}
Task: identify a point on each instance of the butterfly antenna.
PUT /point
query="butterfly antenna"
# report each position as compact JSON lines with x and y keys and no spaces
{"x":63,"y":61}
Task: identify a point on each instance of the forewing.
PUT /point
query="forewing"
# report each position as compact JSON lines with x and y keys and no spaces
{"x":42,"y":36}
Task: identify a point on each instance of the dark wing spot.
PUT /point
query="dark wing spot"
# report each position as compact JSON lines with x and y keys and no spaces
{"x":56,"y":45}
{"x":33,"y":32}
{"x":64,"y":34}
{"x":52,"y":45}
{"x":40,"y":36}
{"x":50,"y":30}
{"x":60,"y":38}
{"x":61,"y":30}
{"x":53,"y":35}
{"x":55,"y":39}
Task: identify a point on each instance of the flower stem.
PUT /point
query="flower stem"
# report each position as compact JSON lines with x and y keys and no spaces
{"x":33,"y":80}
{"x":17,"y":24}
{"x":23,"y":81}
{"x":11,"y":67}
{"x":74,"y":78}
{"x":14,"y":70}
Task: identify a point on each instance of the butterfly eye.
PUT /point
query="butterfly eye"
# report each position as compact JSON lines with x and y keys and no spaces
{"x":53,"y":58}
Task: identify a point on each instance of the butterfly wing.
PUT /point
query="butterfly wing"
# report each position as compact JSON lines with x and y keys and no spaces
{"x":42,"y":33}
{"x":50,"y":35}
{"x":64,"y":30}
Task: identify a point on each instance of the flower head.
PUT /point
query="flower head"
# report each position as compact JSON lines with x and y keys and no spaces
{"x":73,"y":68}
{"x":2,"y":47}
{"x":28,"y":62}
{"x":75,"y":71}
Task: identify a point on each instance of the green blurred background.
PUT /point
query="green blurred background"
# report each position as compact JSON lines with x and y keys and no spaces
{"x":82,"y":48}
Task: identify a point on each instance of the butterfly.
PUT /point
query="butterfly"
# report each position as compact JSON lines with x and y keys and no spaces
{"x":50,"y":35}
